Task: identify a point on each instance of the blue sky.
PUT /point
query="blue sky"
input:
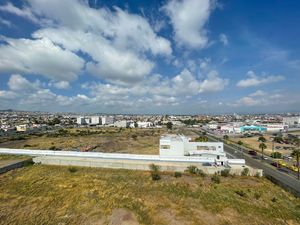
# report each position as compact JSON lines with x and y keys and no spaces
{"x":165,"y":57}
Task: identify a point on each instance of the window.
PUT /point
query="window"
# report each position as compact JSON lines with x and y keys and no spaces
{"x":165,"y":147}
{"x":213,"y":148}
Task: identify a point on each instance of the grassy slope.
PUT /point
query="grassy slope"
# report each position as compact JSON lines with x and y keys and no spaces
{"x":50,"y":195}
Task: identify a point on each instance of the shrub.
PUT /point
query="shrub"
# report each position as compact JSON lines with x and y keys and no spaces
{"x":216,"y":179}
{"x":27,"y":146}
{"x":274,"y":199}
{"x":177,"y":174}
{"x":241,"y":193}
{"x":52,"y":148}
{"x":257,"y":195}
{"x":245,"y":172}
{"x":134,"y":136}
{"x":276,"y":155}
{"x":225,"y":173}
{"x":192,"y":169}
{"x":155,"y":172}
{"x":240,"y":143}
{"x":72,"y":169}
{"x":200,"y":173}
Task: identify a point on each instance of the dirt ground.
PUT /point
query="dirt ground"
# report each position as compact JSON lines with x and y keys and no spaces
{"x":253,"y":143}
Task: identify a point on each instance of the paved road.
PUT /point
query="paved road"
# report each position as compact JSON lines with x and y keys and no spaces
{"x":280,"y":175}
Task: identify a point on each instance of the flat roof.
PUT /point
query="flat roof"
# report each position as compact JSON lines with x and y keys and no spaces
{"x":173,"y":137}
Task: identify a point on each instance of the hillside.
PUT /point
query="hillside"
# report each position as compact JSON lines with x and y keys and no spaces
{"x":42,"y":194}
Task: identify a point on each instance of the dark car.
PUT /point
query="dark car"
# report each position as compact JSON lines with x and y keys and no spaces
{"x":275,"y":164}
{"x":251,"y":152}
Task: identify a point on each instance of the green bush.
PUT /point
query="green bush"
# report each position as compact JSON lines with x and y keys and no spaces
{"x":195,"y":170}
{"x":52,"y":148}
{"x":245,"y":172}
{"x":192,"y":169}
{"x":72,"y":169}
{"x":240,"y":143}
{"x":241,"y":193}
{"x":177,"y":174}
{"x":155,"y":172}
{"x":200,"y":173}
{"x":276,"y":155}
{"x":225,"y":173}
{"x":216,"y":179}
{"x":257,"y":195}
{"x":27,"y":146}
{"x":274,"y":199}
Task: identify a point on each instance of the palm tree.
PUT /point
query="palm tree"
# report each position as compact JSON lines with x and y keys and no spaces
{"x":262,"y":146}
{"x":296,"y":154}
{"x":262,"y":139}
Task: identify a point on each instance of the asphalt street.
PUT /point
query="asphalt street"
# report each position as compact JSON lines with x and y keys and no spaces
{"x":280,"y":175}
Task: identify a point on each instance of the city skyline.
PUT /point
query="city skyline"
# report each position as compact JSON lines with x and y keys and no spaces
{"x":156,"y":57}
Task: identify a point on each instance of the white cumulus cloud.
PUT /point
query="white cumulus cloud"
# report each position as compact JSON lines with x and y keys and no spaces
{"x":188,"y":19}
{"x":254,"y":80}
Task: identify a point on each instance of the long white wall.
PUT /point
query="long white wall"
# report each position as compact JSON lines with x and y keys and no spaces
{"x":102,"y":155}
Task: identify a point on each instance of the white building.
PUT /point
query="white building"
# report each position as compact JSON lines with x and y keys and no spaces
{"x":181,"y":147}
{"x":230,"y":129}
{"x":107,"y":120}
{"x":81,"y":120}
{"x":122,"y":123}
{"x":95,"y":120}
{"x":144,"y":124}
{"x":291,"y":121}
{"x":22,"y":128}
{"x":275,"y":127}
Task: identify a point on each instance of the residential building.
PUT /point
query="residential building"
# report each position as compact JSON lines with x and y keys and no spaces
{"x":180,"y":146}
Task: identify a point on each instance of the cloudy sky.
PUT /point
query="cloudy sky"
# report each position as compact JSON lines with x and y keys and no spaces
{"x":172,"y":56}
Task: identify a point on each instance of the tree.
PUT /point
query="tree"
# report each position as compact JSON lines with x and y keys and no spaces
{"x":169,"y":125}
{"x":240,"y":143}
{"x":225,"y":137}
{"x":155,"y":172}
{"x":262,"y":146}
{"x":278,"y":139}
{"x":135,"y":124}
{"x":296,"y":154}
{"x":276,"y":155}
{"x":262,"y":139}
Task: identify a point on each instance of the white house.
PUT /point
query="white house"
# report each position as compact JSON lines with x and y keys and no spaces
{"x":182,"y":147}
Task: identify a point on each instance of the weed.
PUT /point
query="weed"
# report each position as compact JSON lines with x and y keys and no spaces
{"x":177,"y":174}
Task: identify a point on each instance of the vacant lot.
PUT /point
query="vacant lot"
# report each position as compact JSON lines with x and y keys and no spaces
{"x":42,"y":194}
{"x":140,"y":141}
{"x":252,"y":142}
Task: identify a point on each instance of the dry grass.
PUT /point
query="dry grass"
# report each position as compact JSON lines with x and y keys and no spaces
{"x":253,"y":143}
{"x":139,"y":141}
{"x":53,"y":195}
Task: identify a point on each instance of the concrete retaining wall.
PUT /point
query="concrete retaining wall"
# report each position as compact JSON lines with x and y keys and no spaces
{"x":136,"y":164}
